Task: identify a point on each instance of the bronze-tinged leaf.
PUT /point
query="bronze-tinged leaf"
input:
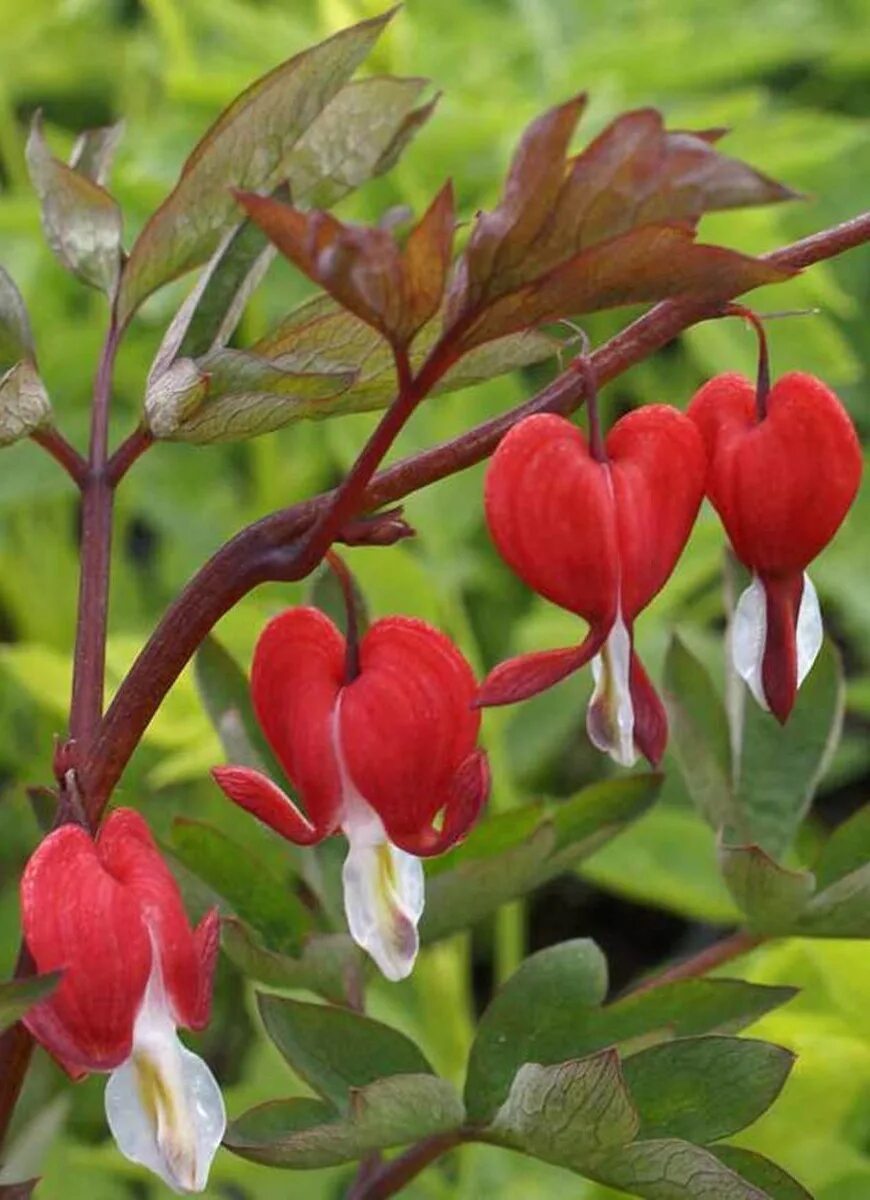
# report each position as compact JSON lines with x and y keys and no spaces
{"x":24,"y":403}
{"x":522,"y":258}
{"x":426,"y":260}
{"x":497,"y":251}
{"x":81,"y":221}
{"x":94,"y":151}
{"x":649,"y":263}
{"x":247,"y":147}
{"x":363,"y":268}
{"x":16,"y":339}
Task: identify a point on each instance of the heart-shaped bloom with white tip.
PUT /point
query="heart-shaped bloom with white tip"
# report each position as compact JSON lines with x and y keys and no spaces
{"x":782,"y":484}
{"x":599,"y":538}
{"x":377,"y":757}
{"x":108,"y":914}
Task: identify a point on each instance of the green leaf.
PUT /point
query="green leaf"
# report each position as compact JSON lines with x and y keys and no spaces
{"x":509,"y":855}
{"x":226,"y":694}
{"x":846,"y":850}
{"x":18,"y":995}
{"x":24,"y":403}
{"x":533,"y":1019}
{"x":567,"y":1112}
{"x":777,"y":1184}
{"x":249,"y":146}
{"x":336,"y":1050}
{"x":699,"y":734}
{"x":308,"y":1133}
{"x":704,"y":1088}
{"x":684,"y":1009}
{"x":771,"y":896}
{"x":841,"y":910}
{"x":328,"y":964}
{"x":246,"y":883}
{"x":780,"y":766}
{"x":670,"y":1169}
{"x":81,"y":221}
{"x":16,"y":339}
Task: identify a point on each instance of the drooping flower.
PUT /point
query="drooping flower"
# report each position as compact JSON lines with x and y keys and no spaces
{"x":782,"y":482}
{"x":598,"y":537}
{"x":377,"y":757}
{"x":108,"y":914}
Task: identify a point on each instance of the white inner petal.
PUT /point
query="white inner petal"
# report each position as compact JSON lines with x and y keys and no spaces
{"x":748,"y":635}
{"x":810,"y":633}
{"x":163,"y":1105}
{"x":610,"y":716}
{"x":383,"y":885}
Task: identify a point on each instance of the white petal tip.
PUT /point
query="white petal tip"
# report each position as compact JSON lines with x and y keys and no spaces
{"x":383,"y":900}
{"x":610,"y":716}
{"x":748,"y":636}
{"x":810,"y":632}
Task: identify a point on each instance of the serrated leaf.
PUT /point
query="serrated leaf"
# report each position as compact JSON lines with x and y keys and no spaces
{"x":18,"y":995}
{"x":94,"y":151}
{"x":567,"y":1112}
{"x":704,"y":1088}
{"x":247,"y":147}
{"x":24,"y":403}
{"x":699,"y":734}
{"x":81,"y":221}
{"x":336,"y":1050}
{"x":777,"y":1184}
{"x":781,"y":766}
{"x":308,"y":1133}
{"x":16,"y":339}
{"x":532,"y":1019}
{"x":246,"y":883}
{"x":772,"y":897}
{"x":328,"y":963}
{"x":226,"y":694}
{"x":670,"y":1169}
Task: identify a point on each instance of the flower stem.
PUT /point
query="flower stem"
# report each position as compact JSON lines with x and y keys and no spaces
{"x":61,"y":451}
{"x":728,"y":948}
{"x":762,"y":380}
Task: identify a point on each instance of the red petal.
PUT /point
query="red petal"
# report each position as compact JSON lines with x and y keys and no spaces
{"x":257,"y":794}
{"x":659,"y":470}
{"x":127,"y":851}
{"x":469,"y":789}
{"x":779,"y":670}
{"x":77,"y":917}
{"x":650,"y":718}
{"x":783,"y":485}
{"x":528,"y":674}
{"x":406,"y":721}
{"x":550,"y":512}
{"x":206,"y":941}
{"x":296,"y":676}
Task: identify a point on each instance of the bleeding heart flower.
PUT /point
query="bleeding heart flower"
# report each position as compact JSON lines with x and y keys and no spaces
{"x":782,"y":484}
{"x":378,"y":757}
{"x":109,"y":915}
{"x":599,"y":538}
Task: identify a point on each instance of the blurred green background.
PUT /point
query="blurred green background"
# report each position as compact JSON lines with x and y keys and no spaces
{"x":793,"y":80}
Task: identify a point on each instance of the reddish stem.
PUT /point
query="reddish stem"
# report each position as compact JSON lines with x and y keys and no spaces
{"x":706,"y":960}
{"x":762,"y":381}
{"x":345,"y":581}
{"x":393,"y":1176}
{"x":127,"y":453}
{"x":59,"y":448}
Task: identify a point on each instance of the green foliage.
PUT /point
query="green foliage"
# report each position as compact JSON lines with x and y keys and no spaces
{"x":17,"y":996}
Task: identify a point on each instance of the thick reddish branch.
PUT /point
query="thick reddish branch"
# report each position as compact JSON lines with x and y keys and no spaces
{"x":269,"y":549}
{"x":61,"y":451}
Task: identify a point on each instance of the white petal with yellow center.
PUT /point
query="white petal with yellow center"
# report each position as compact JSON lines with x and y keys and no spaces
{"x":163,"y":1105}
{"x":383,"y":885}
{"x":610,"y":716}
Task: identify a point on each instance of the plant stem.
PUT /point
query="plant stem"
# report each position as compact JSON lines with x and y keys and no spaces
{"x":721,"y":952}
{"x":59,"y":448}
{"x":86,"y":708}
{"x":127,"y":453}
{"x":393,"y":1176}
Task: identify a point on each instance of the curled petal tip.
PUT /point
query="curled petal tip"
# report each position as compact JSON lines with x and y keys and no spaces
{"x":529,"y":674}
{"x":257,"y":794}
